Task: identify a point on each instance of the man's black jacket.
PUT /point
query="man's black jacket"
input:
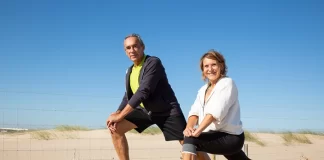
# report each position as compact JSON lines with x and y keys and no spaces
{"x":154,"y":89}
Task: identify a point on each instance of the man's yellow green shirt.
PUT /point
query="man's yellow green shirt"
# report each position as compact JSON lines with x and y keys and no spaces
{"x":134,"y":78}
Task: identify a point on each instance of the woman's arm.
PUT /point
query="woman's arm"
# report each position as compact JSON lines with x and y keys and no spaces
{"x":203,"y":125}
{"x":194,"y":113}
{"x":221,"y":101}
{"x":192,"y":121}
{"x":192,"y":118}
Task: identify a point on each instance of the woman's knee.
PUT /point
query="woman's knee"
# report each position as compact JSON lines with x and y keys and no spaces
{"x":189,"y":145}
{"x":189,"y":148}
{"x":190,"y":140}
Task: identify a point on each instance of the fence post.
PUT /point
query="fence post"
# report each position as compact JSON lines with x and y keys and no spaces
{"x":214,"y":157}
{"x":246,"y":149}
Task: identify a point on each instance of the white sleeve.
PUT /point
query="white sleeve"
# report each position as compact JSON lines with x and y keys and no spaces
{"x":195,"y":107}
{"x":221,"y":101}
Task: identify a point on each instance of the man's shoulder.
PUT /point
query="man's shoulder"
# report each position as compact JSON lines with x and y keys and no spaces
{"x":153,"y":59}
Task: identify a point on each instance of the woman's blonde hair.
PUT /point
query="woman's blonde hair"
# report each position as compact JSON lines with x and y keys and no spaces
{"x":220,"y":62}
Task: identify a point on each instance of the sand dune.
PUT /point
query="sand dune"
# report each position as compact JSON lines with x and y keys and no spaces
{"x":97,"y":145}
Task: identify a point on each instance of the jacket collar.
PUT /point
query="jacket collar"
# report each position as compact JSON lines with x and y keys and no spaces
{"x":129,"y":71}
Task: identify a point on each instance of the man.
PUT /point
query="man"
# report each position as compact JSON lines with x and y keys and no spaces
{"x":149,"y":99}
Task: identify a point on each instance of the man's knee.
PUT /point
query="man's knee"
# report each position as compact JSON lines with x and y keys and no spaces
{"x":123,"y":127}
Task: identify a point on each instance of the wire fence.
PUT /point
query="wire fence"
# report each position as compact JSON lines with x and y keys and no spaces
{"x":69,"y":134}
{"x":46,"y":140}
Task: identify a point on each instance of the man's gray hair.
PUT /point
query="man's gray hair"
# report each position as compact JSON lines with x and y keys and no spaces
{"x":138,"y":38}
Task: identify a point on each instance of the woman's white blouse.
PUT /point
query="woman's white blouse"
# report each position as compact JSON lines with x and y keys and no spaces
{"x":222,"y":104}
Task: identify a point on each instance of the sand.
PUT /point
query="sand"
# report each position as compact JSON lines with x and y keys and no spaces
{"x":97,"y":145}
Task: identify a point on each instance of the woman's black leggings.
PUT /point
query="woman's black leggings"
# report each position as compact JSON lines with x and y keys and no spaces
{"x":220,"y":143}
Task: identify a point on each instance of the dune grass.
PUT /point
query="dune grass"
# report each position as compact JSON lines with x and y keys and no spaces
{"x":253,"y":138}
{"x":14,"y":133}
{"x":50,"y":135}
{"x":290,"y":137}
{"x":43,"y":135}
{"x":149,"y":131}
{"x":310,"y":132}
{"x":71,"y":128}
{"x":304,"y":131}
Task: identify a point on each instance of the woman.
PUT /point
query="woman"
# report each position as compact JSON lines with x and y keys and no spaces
{"x":217,"y":112}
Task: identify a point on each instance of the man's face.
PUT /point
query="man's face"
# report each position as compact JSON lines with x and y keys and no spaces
{"x":134,"y":50}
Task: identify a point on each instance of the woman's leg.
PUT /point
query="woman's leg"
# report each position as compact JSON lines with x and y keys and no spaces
{"x":198,"y":156}
{"x":213,"y":142}
{"x":237,"y":156}
{"x":222,"y":143}
{"x":189,"y":151}
{"x":188,"y":156}
{"x":202,"y":156}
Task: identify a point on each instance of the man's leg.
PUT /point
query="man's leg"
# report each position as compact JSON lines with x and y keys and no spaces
{"x":119,"y":139}
{"x":137,"y":120}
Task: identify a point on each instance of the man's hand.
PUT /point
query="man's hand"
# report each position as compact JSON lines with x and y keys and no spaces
{"x":188,"y":131}
{"x":112,"y":121}
{"x":112,"y":128}
{"x":116,"y":117}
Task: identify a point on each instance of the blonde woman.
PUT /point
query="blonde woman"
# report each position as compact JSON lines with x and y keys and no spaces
{"x":216,"y":110}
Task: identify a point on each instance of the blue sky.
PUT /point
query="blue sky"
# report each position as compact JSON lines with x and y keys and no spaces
{"x":62,"y":62}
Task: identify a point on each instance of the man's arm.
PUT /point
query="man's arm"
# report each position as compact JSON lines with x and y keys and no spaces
{"x":123,"y":103}
{"x":125,"y":111}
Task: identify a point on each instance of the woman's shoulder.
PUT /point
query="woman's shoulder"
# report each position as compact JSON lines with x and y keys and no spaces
{"x":226,"y":81}
{"x":203,"y":88}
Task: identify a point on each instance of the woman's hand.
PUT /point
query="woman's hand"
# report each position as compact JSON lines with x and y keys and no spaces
{"x":188,"y":131}
{"x":196,"y":133}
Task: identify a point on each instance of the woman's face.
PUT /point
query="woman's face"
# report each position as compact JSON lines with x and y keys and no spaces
{"x":210,"y":69}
